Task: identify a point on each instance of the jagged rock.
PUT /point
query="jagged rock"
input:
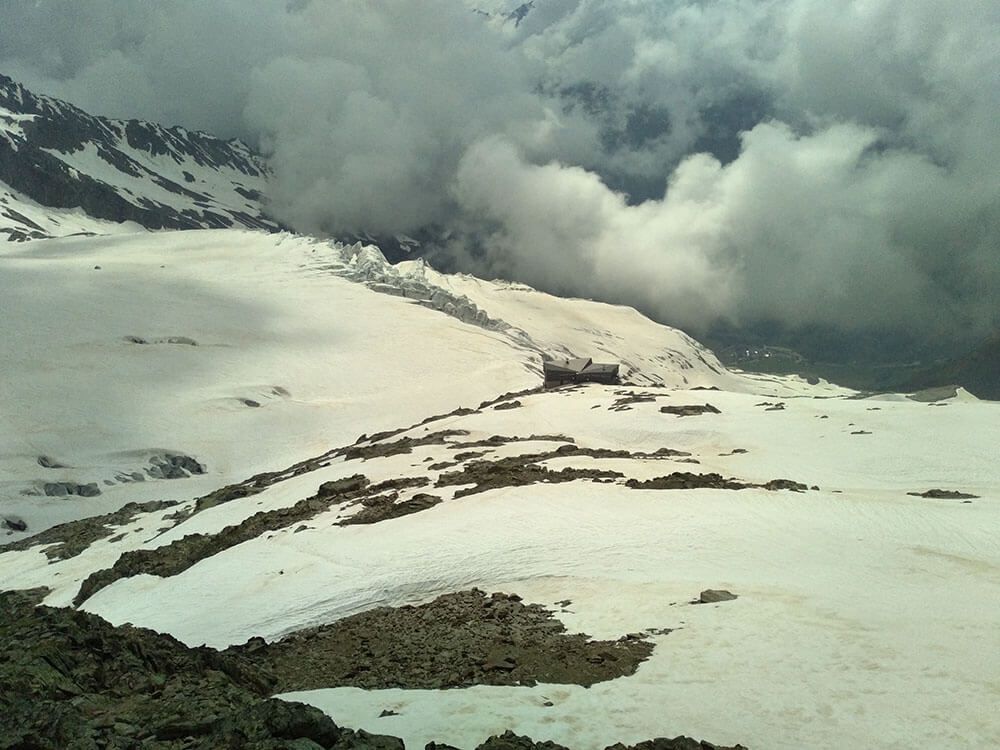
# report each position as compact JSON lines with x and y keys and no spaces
{"x":461,"y":639}
{"x":626,"y":399}
{"x":683,"y":480}
{"x":72,"y":681}
{"x":173,"y":466}
{"x":677,"y":743}
{"x":510,"y":741}
{"x":712,"y":596}
{"x":62,"y":489}
{"x":47,"y":462}
{"x":944,"y":495}
{"x":387,"y":508}
{"x":403,"y":445}
{"x":514,"y":471}
{"x":15,"y":523}
{"x":689,"y":410}
{"x":31,"y":163}
{"x":181,"y":554}
{"x":784,"y":484}
{"x":70,"y":539}
{"x":507,"y":405}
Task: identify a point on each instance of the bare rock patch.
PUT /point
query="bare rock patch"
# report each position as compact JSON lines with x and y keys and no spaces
{"x":458,"y":640}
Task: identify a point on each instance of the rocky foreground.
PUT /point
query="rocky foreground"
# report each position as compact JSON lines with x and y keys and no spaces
{"x":72,"y":681}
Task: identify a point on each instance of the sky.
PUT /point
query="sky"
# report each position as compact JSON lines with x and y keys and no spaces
{"x":811,"y":163}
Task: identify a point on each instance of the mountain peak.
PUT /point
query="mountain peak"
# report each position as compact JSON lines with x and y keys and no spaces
{"x":64,"y":171}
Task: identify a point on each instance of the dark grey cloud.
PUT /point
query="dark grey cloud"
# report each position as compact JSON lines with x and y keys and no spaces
{"x":796,"y":160}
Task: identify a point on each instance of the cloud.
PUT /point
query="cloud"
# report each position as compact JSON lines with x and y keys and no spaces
{"x":786,"y":160}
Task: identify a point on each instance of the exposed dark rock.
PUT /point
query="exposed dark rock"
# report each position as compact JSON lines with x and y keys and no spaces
{"x":689,"y":410}
{"x":784,"y":484}
{"x":179,"y":555}
{"x":47,"y":462}
{"x":250,"y":402}
{"x":62,"y":489}
{"x":683,"y":480}
{"x":626,"y":399}
{"x":72,"y":681}
{"x":514,"y":471}
{"x":495,"y":441}
{"x":70,"y":539}
{"x":510,"y":741}
{"x":457,"y":640}
{"x":503,"y":405}
{"x":14,"y":523}
{"x":511,"y":395}
{"x":384,"y":507}
{"x":173,"y":466}
{"x":31,"y":164}
{"x":677,"y":743}
{"x":944,"y":495}
{"x":375,"y":449}
{"x":465,"y":456}
{"x":461,"y":411}
{"x":712,"y":596}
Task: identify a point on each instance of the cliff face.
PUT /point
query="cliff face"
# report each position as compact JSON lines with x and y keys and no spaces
{"x":62,"y":168}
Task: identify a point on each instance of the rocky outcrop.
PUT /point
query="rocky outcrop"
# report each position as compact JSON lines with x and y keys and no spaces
{"x":385,"y":507}
{"x":73,"y":681}
{"x":515,"y":472}
{"x":62,"y":489}
{"x":944,"y":495}
{"x":178,"y":556}
{"x":714,"y":596}
{"x":14,"y":523}
{"x":689,"y":410}
{"x":458,"y":640}
{"x":683,"y":480}
{"x":70,"y":539}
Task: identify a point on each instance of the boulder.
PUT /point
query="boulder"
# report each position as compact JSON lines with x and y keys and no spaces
{"x":712,"y":596}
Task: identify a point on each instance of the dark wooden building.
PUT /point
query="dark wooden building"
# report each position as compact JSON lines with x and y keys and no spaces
{"x":579,"y":370}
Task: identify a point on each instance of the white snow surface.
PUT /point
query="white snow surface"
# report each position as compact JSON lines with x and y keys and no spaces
{"x":866,"y":616}
{"x":325,"y":358}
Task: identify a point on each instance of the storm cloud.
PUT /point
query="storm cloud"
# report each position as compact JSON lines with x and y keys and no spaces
{"x":740,"y":160}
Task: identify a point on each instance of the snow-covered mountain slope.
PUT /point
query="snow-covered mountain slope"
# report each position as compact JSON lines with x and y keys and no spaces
{"x":234,"y":348}
{"x":232,"y":372}
{"x":649,"y":353}
{"x":63,"y":171}
{"x":864,"y":615}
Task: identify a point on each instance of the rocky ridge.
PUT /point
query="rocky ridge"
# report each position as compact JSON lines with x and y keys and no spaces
{"x":55,"y":155}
